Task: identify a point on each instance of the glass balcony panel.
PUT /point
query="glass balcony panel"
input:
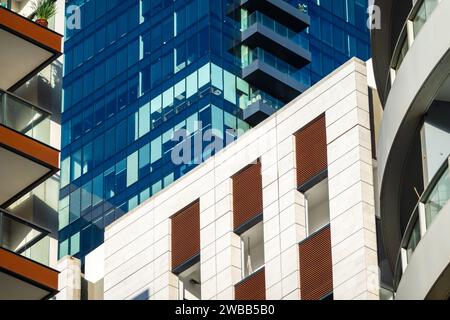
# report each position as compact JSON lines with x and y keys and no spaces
{"x":258,"y":17}
{"x":426,"y":9}
{"x":413,"y":240}
{"x":300,"y":75}
{"x":23,"y":238}
{"x":438,"y":198}
{"x":25,"y":118}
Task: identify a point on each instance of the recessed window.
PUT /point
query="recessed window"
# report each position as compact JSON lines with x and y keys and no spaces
{"x":189,"y":285}
{"x":317,"y":204}
{"x":252,"y":250}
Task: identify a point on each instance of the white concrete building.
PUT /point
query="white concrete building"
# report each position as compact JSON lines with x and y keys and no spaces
{"x":411,"y":54}
{"x":285,"y":212}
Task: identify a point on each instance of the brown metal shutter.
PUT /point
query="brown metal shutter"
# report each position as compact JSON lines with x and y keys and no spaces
{"x":311,"y":148}
{"x":247,"y":194}
{"x":185,"y":234}
{"x":252,"y":288}
{"x":316,"y":267}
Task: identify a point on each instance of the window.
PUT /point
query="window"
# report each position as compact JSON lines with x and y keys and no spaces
{"x":133,"y":53}
{"x":132,"y":168}
{"x":122,"y":60}
{"x":189,"y":283}
{"x":109,"y":183}
{"x":65,"y":172}
{"x":86,"y":196}
{"x":317,"y":204}
{"x":144,"y":160}
{"x":180,"y":92}
{"x":75,"y":243}
{"x":121,"y":135}
{"x":155,"y":73}
{"x":204,"y":75}
{"x":121,"y":175}
{"x":216,"y":77}
{"x":191,"y":86}
{"x":252,"y":250}
{"x":156,"y":151}
{"x":144,"y":119}
{"x":89,"y":48}
{"x":87,"y":158}
{"x":229,"y":87}
{"x":75,"y":202}
{"x":75,"y":165}
{"x":155,"y":110}
{"x":63,"y":213}
{"x":110,"y":143}
{"x":98,"y":151}
{"x":97,"y":190}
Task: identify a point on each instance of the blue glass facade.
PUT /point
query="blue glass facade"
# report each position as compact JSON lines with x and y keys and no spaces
{"x":138,"y":71}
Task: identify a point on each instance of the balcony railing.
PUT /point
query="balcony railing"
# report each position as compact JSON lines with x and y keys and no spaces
{"x":417,"y":18}
{"x":258,"y":17}
{"x":24,"y":238}
{"x":23,"y":117}
{"x":434,"y":198}
{"x":259,"y":54}
{"x":264,"y":97}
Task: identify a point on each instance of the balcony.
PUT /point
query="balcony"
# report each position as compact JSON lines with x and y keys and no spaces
{"x":25,"y":154}
{"x":417,"y":18}
{"x":259,"y":30}
{"x":26,"y":49}
{"x":259,"y":107}
{"x":423,"y":263}
{"x":24,"y":247}
{"x":273,"y":75}
{"x":294,"y":18}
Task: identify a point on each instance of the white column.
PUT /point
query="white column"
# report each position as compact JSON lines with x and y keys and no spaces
{"x":351,"y":193}
{"x":220,"y":254}
{"x":284,"y":221}
{"x":69,"y":279}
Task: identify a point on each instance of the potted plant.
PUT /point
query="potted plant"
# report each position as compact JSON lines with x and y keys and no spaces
{"x":44,"y":10}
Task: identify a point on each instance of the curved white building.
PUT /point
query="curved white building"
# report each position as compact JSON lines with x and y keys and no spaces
{"x":411,"y":54}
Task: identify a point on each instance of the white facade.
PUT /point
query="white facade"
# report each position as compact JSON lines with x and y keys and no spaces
{"x":137,"y":248}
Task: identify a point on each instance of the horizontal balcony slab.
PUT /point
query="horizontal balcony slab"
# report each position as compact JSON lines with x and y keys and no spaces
{"x":279,"y":10}
{"x":24,"y":279}
{"x":26,"y":163}
{"x":257,"y":112}
{"x":26,"y":49}
{"x":259,"y":35}
{"x":276,"y":83}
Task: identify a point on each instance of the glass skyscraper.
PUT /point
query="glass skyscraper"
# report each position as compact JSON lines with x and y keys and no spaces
{"x":137,"y":72}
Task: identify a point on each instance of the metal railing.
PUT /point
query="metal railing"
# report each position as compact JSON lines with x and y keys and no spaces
{"x":433,"y":199}
{"x":24,"y":117}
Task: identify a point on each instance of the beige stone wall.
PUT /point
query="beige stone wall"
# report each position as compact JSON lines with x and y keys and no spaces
{"x":137,"y":246}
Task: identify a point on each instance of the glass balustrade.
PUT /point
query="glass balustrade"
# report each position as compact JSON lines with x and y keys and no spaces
{"x":423,"y":13}
{"x":23,"y":117}
{"x":433,"y":200}
{"x":258,"y":17}
{"x":252,"y":55}
{"x":438,"y":198}
{"x":24,"y":238}
{"x":262,"y":96}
